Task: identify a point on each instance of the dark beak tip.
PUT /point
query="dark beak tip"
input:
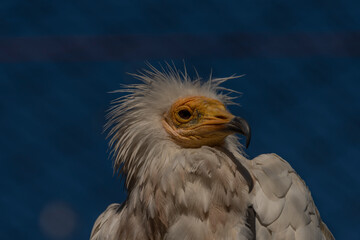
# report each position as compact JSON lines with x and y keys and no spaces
{"x":241,"y":126}
{"x":247,"y":142}
{"x":248,"y":138}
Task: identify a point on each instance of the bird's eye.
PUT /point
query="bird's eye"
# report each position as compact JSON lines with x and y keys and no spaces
{"x":184,"y":114}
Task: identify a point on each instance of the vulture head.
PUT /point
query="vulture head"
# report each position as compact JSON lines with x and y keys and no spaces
{"x":167,"y":111}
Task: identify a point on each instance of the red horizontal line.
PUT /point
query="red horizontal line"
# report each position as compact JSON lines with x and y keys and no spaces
{"x":147,"y":47}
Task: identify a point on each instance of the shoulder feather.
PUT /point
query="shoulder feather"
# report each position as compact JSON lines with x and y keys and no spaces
{"x":283,"y":203}
{"x":107,"y":223}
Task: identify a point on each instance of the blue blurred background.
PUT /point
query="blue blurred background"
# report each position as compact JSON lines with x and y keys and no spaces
{"x":59,"y":60}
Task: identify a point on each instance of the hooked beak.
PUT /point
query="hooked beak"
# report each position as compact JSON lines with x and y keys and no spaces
{"x":240,"y":125}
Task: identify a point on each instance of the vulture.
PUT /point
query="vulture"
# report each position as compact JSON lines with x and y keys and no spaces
{"x":187,"y":175}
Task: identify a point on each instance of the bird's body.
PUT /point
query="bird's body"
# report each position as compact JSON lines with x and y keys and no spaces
{"x":187,"y":177}
{"x":180,"y":194}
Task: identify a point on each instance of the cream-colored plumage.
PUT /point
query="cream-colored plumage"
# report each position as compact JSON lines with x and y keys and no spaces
{"x":205,"y":192}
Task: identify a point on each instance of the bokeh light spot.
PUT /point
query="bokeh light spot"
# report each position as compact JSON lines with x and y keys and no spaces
{"x":57,"y":220}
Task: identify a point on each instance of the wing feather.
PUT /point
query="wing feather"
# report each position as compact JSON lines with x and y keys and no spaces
{"x":283,"y":203}
{"x":107,"y":224}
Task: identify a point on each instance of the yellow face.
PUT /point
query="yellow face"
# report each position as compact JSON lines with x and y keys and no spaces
{"x":197,"y":121}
